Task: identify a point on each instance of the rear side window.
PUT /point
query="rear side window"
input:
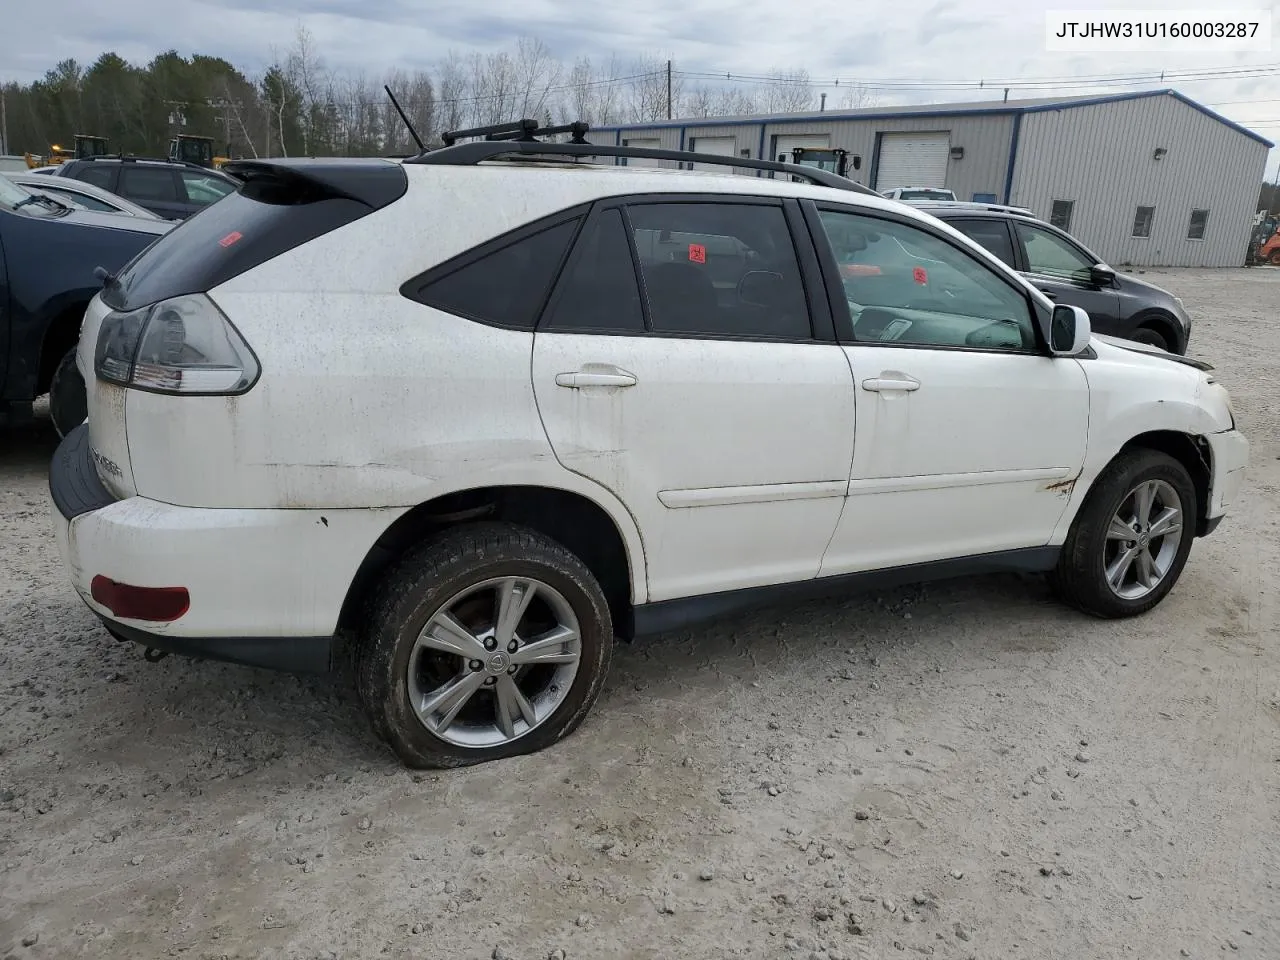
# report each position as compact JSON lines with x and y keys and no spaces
{"x":992,"y":234}
{"x":202,"y":189}
{"x":100,"y":175}
{"x":599,"y":292}
{"x":506,"y":286}
{"x":86,"y":201}
{"x":720,"y":270}
{"x":155,"y":184}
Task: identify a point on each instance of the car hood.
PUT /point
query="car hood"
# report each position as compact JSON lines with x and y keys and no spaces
{"x":1148,"y":291}
{"x":1149,"y":350}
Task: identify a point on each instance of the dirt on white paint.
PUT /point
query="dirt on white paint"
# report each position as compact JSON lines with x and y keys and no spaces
{"x":963,"y":770}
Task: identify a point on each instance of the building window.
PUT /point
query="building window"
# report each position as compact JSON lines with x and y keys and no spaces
{"x":1142,"y":221}
{"x":984,"y":198}
{"x":1199,"y":221}
{"x":1060,"y":214}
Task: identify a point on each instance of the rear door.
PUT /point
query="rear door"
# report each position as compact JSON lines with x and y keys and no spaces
{"x":1062,"y":271}
{"x":679,"y":365}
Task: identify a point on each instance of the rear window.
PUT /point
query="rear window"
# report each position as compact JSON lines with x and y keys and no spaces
{"x":222,"y":241}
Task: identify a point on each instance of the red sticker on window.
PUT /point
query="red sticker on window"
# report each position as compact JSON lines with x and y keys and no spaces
{"x":697,"y":253}
{"x":920,"y":276}
{"x":230,"y":238}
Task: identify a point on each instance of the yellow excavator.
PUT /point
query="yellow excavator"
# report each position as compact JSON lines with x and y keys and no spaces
{"x":85,"y":147}
{"x":198,"y":150}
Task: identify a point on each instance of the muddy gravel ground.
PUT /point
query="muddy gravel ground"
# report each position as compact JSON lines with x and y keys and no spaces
{"x":963,"y":770}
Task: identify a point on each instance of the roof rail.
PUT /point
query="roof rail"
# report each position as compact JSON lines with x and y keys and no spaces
{"x":469,"y":154}
{"x":519,"y":130}
{"x":970,"y":205}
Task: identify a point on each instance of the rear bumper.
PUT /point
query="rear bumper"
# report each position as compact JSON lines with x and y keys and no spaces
{"x":266,"y":586}
{"x":1229,"y":456}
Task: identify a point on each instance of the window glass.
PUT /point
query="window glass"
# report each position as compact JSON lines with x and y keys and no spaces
{"x":984,"y":198}
{"x":1142,"y":221}
{"x":83,"y":199}
{"x":1060,"y":214}
{"x":599,"y":289}
{"x":1199,"y":222}
{"x":507,"y":286}
{"x":100,"y":175}
{"x":720,"y":269}
{"x":907,"y":286}
{"x":204,"y":189}
{"x":992,"y":234}
{"x":148,"y":183}
{"x":1049,"y":254}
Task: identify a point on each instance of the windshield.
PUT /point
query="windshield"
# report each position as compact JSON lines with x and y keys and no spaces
{"x":10,"y":193}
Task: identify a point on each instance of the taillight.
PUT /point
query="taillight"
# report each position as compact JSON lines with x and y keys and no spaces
{"x":182,"y":346}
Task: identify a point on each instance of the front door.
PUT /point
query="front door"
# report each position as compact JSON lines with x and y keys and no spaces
{"x":1064,"y":272}
{"x":701,"y":396}
{"x":968,"y":435}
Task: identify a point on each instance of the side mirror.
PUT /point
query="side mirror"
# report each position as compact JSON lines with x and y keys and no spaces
{"x":1102,"y":275}
{"x":760,"y":288}
{"x":1069,"y":331}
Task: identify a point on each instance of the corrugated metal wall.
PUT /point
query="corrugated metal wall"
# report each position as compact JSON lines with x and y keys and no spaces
{"x":984,"y":137}
{"x":1102,"y":158}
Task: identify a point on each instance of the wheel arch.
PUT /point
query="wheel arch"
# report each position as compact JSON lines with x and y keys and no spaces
{"x":1190,"y":450}
{"x":1163,"y":323}
{"x":609,"y":544}
{"x":61,"y":333}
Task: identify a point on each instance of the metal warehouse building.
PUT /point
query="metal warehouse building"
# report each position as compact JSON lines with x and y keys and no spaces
{"x":1149,"y":178}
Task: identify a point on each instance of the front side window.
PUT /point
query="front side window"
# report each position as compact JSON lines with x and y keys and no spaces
{"x":992,"y":234}
{"x":907,"y":286}
{"x":1199,"y":223}
{"x":1142,"y":221}
{"x":204,"y":190}
{"x":1052,"y":256}
{"x":155,"y":184}
{"x":1060,"y":214}
{"x":506,"y":286}
{"x":720,"y":270}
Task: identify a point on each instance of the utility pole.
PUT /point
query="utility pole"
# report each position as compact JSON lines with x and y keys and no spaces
{"x":668,"y":89}
{"x":1006,"y":94}
{"x":4,"y":124}
{"x":824,"y":102}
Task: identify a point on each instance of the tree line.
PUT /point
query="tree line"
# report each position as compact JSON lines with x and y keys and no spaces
{"x":299,"y":106}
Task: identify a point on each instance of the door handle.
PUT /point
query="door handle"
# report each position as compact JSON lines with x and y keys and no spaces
{"x":879,"y":384}
{"x":591,"y":378}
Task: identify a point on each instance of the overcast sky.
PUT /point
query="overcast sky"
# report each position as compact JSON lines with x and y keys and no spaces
{"x":870,"y":40}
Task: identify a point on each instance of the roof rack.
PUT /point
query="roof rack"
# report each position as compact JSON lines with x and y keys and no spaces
{"x":518,"y":139}
{"x":133,"y":158}
{"x":970,"y":205}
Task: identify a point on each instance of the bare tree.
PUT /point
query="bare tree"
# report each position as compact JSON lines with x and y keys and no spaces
{"x":856,"y":97}
{"x":650,"y":96}
{"x":453,"y":87}
{"x":791,"y":91}
{"x":536,"y":72}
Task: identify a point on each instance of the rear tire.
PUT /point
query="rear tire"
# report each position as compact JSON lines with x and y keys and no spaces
{"x":1129,"y":543}
{"x":486,"y":642}
{"x":68,"y":397}
{"x":1153,"y":337}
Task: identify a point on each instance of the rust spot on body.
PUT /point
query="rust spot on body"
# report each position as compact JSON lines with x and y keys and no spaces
{"x":1062,"y":488}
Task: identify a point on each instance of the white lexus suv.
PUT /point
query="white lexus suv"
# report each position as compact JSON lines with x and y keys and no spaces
{"x":486,"y":409}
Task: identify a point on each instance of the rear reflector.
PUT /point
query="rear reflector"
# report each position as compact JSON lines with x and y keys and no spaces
{"x":157,"y":604}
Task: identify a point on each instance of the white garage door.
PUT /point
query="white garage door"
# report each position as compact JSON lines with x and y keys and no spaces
{"x":648,"y":143}
{"x":913,"y":160}
{"x":720,"y":146}
{"x":782,"y":146}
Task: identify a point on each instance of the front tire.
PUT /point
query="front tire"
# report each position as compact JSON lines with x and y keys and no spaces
{"x":68,"y":397}
{"x":1130,"y":541}
{"x":1152,"y":337}
{"x":489,"y":641}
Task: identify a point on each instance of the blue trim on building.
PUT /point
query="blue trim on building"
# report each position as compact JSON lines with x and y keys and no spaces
{"x":875,"y":162}
{"x":996,"y":108}
{"x":1013,"y":156}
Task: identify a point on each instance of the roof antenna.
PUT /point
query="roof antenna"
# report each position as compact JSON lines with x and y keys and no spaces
{"x":412,"y":132}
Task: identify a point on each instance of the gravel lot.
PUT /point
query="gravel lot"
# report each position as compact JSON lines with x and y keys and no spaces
{"x":964,"y":770}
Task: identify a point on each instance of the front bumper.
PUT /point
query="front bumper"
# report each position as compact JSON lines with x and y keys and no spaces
{"x":266,"y":586}
{"x":1229,"y":455}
